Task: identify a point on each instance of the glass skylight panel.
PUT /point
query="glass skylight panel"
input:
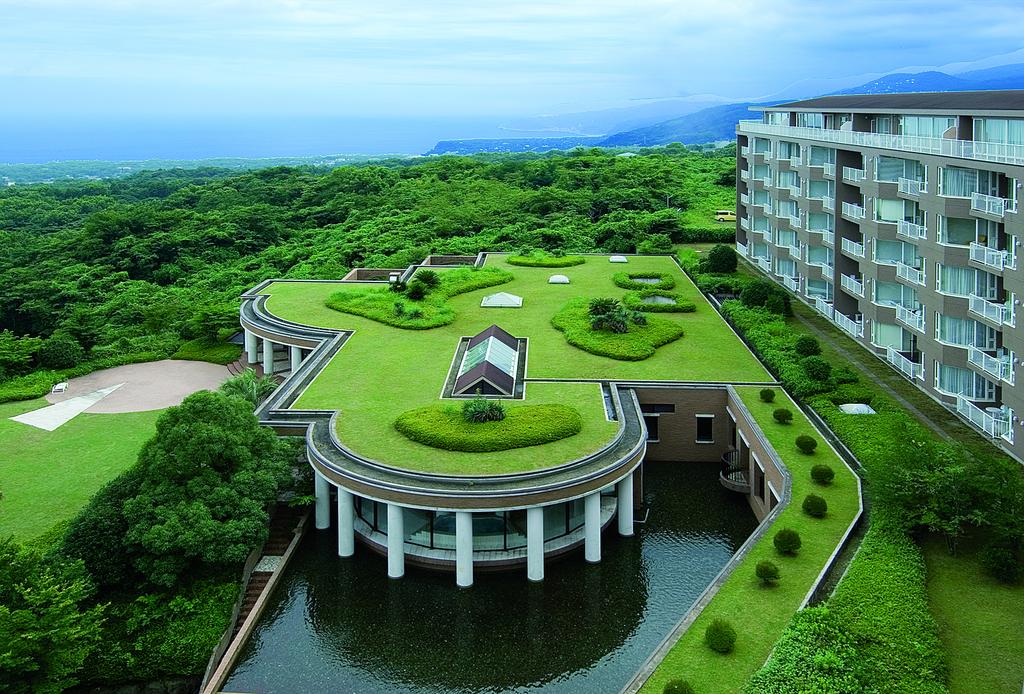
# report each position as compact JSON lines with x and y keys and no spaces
{"x":474,"y":355}
{"x":502,"y":356}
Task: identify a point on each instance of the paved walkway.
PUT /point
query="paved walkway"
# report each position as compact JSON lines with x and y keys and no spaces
{"x":148,"y":386}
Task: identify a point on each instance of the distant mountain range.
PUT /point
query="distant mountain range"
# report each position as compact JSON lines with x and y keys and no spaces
{"x":717,"y":123}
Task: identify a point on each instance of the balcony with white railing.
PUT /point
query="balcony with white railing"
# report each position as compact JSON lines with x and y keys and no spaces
{"x":911,"y":230}
{"x":998,"y":367}
{"x":963,"y":149}
{"x":853,"y":175}
{"x":1000,"y":314}
{"x":794,"y":222}
{"x":828,"y":203}
{"x":910,"y":369}
{"x":794,"y":191}
{"x":910,"y":186}
{"x":741,"y":248}
{"x":828,"y":238}
{"x":990,"y":204}
{"x":744,"y":151}
{"x":824,"y":307}
{"x":909,"y":273}
{"x":745,"y":223}
{"x":853,"y":211}
{"x":744,"y":198}
{"x":911,"y":318}
{"x":829,"y":170}
{"x":992,"y":257}
{"x":995,"y":423}
{"x":792,"y":283}
{"x":852,"y":285}
{"x":745,"y":174}
{"x":763,"y":263}
{"x":851,"y":247}
{"x":855,"y":328}
{"x":795,"y":252}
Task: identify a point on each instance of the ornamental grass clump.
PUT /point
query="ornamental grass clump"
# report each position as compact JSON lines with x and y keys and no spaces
{"x":806,"y":444}
{"x":787,"y":541}
{"x":480,"y":409}
{"x":822,"y":474}
{"x":768,"y":572}
{"x":767,"y":395}
{"x":783,"y":415}
{"x":815,"y":506}
{"x":720,"y":636}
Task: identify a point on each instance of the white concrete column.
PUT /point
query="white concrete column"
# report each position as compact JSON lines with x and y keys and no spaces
{"x":268,"y":357}
{"x":396,"y":541}
{"x":346,"y":523}
{"x":323,"y":501}
{"x":535,"y":543}
{"x":250,"y":347}
{"x":592,"y":527}
{"x":625,"y":505}
{"x":463,"y":549}
{"x":296,"y":354}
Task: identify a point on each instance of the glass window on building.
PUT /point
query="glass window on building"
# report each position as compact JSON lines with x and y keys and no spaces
{"x":819,"y":289}
{"x":987,"y":233}
{"x":958,"y":182}
{"x":957,"y":231}
{"x":882,"y":125}
{"x":761,"y":197}
{"x":955,"y":280}
{"x":784,"y":237}
{"x":891,"y":335}
{"x":785,"y":267}
{"x":810,"y":120}
{"x":820,"y":255}
{"x":762,"y":223}
{"x":891,"y":252}
{"x":762,"y":145}
{"x":757,"y":486}
{"x":789,"y":179}
{"x":964,"y":332}
{"x":1006,"y":131}
{"x":651,"y":421}
{"x":925,"y":126}
{"x":821,"y":189}
{"x":821,"y":221}
{"x":819,"y":156}
{"x":895,"y":294}
{"x":777,"y":117}
{"x":705,"y":428}
{"x":891,"y":169}
{"x":788,"y":150}
{"x":787,"y":208}
{"x":892,"y":211}
{"x":761,"y":171}
{"x":956,"y":381}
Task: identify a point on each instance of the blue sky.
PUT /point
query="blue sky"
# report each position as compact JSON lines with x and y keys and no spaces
{"x":442,"y":57}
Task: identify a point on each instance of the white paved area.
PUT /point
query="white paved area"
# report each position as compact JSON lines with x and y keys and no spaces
{"x":49,"y":418}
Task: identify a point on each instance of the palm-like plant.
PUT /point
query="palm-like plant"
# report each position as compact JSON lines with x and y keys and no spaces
{"x":248,"y":386}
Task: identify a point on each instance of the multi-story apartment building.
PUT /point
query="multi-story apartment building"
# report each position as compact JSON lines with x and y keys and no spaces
{"x":896,"y":216}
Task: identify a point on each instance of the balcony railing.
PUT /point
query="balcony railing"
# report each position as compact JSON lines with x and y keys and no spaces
{"x":745,"y":223}
{"x":990,"y":204}
{"x":744,"y":198}
{"x":794,"y":222}
{"x":853,"y":248}
{"x":910,"y":369}
{"x":795,"y":252}
{"x":963,"y":149}
{"x":911,"y":318}
{"x":745,"y":174}
{"x":829,"y":169}
{"x":792,"y":283}
{"x":763,"y":263}
{"x":1000,"y":368}
{"x":828,"y":238}
{"x":999,"y":314}
{"x":996,"y":424}
{"x":852,"y":285}
{"x":854,"y":327}
{"x":741,"y":248}
{"x":744,"y":150}
{"x":828,"y":203}
{"x":991,"y":257}
{"x":794,"y":191}
{"x":824,"y":307}
{"x":853,"y":210}
{"x":909,"y":273}
{"x":909,"y":186}
{"x":911,"y":230}
{"x":853,"y":175}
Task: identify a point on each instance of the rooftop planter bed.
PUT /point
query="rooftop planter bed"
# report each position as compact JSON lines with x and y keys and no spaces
{"x":640,"y":342}
{"x":638,"y":281}
{"x":657,"y":301}
{"x":541,"y":259}
{"x":444,"y":427}
{"x":433,"y":310}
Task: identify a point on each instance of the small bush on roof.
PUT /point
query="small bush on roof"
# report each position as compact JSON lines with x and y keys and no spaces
{"x":628,"y":280}
{"x":783,"y":415}
{"x":445,"y":427}
{"x":677,"y":686}
{"x":815,"y":506}
{"x":807,"y":346}
{"x":536,"y":258}
{"x":720,"y":636}
{"x":428,"y":277}
{"x":480,"y":409}
{"x":767,"y":571}
{"x":787,"y":541}
{"x":806,"y":443}
{"x":767,"y":395}
{"x":822,"y":474}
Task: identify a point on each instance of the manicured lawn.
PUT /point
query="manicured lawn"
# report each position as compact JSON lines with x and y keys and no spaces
{"x":47,"y":476}
{"x":984,"y":646}
{"x":384,"y":371}
{"x":213,"y":352}
{"x":760,"y":614}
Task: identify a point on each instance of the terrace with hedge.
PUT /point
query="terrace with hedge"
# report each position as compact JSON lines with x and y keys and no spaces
{"x":387,"y":379}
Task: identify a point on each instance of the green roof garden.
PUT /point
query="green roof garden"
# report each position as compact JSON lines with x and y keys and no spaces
{"x":383,"y":371}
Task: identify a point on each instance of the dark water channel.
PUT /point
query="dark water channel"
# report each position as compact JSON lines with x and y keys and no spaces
{"x":340,"y":625}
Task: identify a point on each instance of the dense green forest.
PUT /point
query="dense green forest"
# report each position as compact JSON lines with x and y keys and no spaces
{"x":127,"y":269}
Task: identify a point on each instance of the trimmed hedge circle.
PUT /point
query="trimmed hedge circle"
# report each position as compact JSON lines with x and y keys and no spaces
{"x":444,"y":427}
{"x":544,"y":260}
{"x":635,"y":301}
{"x":628,"y":280}
{"x":640,"y":342}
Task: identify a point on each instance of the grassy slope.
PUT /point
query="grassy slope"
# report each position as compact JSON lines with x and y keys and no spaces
{"x":46,"y":477}
{"x":384,"y":371}
{"x":761,"y":614}
{"x":984,"y":648}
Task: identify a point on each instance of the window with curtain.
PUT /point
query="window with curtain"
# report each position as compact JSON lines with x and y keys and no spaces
{"x":789,"y":179}
{"x":881,"y":124}
{"x":820,"y":255}
{"x":761,"y":171}
{"x":821,"y":221}
{"x":789,"y":150}
{"x":958,"y":182}
{"x":952,"y":379}
{"x":821,"y":289}
{"x":821,"y":189}
{"x":955,"y":280}
{"x":762,"y":146}
{"x":786,"y":238}
{"x":999,"y":130}
{"x":761,"y":223}
{"x":786,"y":267}
{"x":761,"y":197}
{"x":888,"y":210}
{"x":810,"y":120}
{"x":893,"y":294}
{"x":822,"y":155}
{"x":963,"y":332}
{"x":890,"y":335}
{"x":926,"y":126}
{"x":788,"y":208}
{"x":777,"y":118}
{"x":956,"y":231}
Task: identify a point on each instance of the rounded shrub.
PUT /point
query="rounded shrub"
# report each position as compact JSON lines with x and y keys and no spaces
{"x":787,"y":541}
{"x":807,"y":346}
{"x":823,"y":474}
{"x":60,"y":351}
{"x":428,"y":277}
{"x":767,"y":395}
{"x":783,"y":415}
{"x":806,"y":443}
{"x":721,"y":259}
{"x":720,"y":636}
{"x":816,"y":368}
{"x":777,"y":303}
{"x":677,"y":687}
{"x":815,"y":506}
{"x":767,"y":571}
{"x":416,"y":290}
